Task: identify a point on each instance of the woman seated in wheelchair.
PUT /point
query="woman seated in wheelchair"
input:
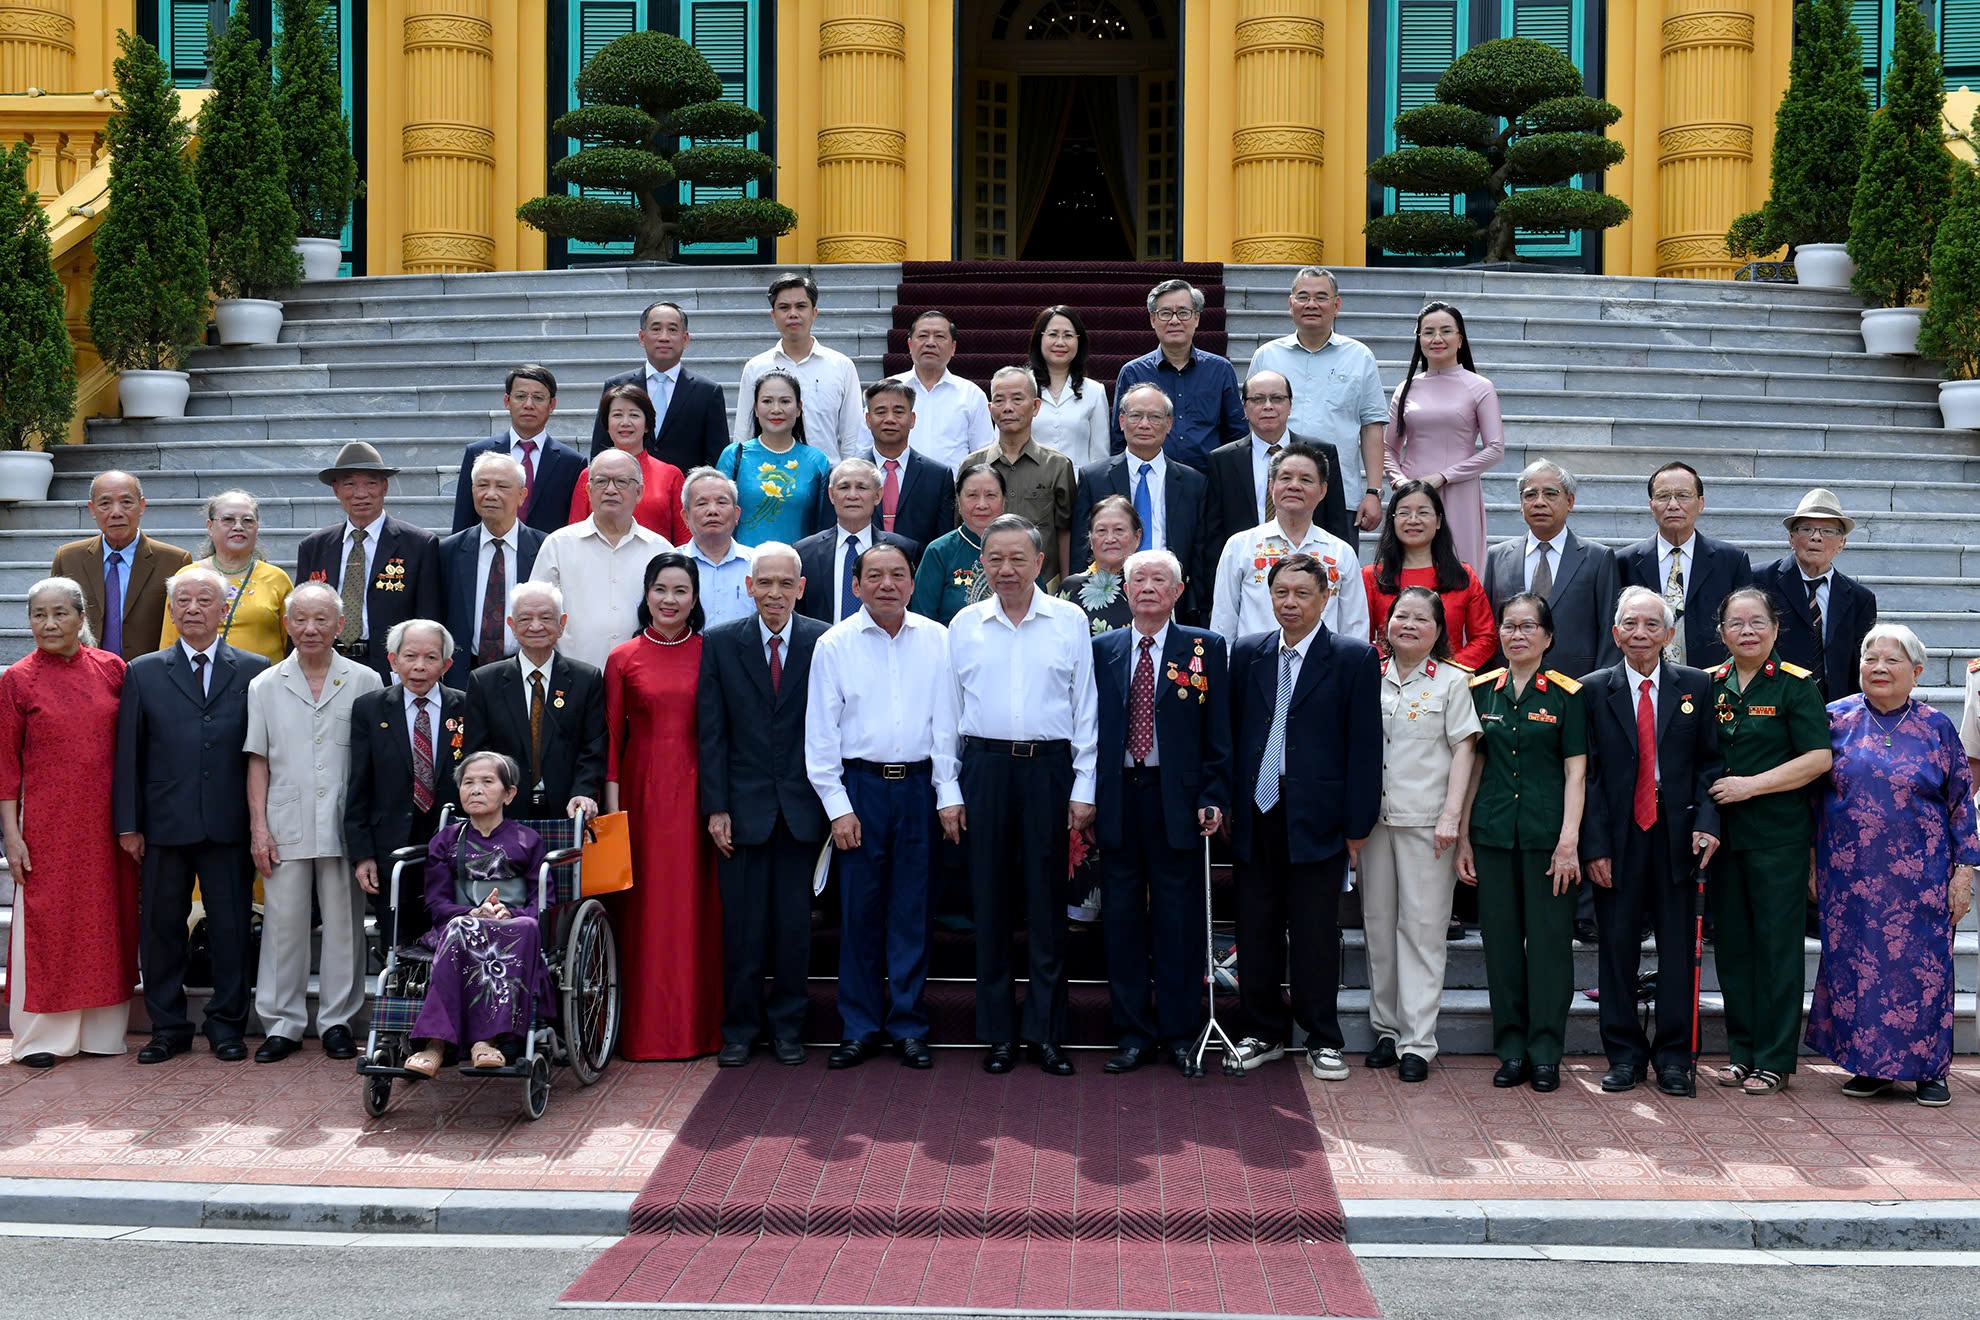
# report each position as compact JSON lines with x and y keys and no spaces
{"x":488,"y":968}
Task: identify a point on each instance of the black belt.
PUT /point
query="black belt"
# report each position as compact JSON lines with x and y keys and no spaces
{"x":1142,"y":772}
{"x":357,"y":650}
{"x":1022,"y":750}
{"x":893,"y":770}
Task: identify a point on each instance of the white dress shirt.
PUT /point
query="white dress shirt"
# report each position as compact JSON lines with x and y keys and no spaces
{"x":1554,"y":549}
{"x":1158,"y":476}
{"x":1261,"y":467}
{"x":1161,"y":637}
{"x":1030,"y":681}
{"x":527,"y":669}
{"x":484,"y":557}
{"x":1635,"y":698}
{"x":432,"y":699}
{"x":1300,"y":648}
{"x":343,"y":558}
{"x":602,"y":583}
{"x":1821,"y":594}
{"x":1244,"y":601}
{"x":889,"y":700}
{"x":1337,"y":390}
{"x":1686,"y":564}
{"x":783,"y":637}
{"x":951,"y":421}
{"x":204,"y":673}
{"x":834,"y":406}
{"x":1076,"y":427}
{"x":724,"y":585}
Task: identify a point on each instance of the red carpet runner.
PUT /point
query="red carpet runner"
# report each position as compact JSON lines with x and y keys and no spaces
{"x":881,"y":1186}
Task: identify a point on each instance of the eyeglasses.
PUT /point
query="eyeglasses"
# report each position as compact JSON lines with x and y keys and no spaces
{"x":1744,"y":625}
{"x":1819,"y":533}
{"x":615,"y":483}
{"x":1268,"y":398}
{"x":1673,"y":496}
{"x":1172,"y":314}
{"x":239,"y":520}
{"x":1542,"y":493}
{"x":1519,"y":627}
{"x":1137,"y":415}
{"x":1309,"y":299}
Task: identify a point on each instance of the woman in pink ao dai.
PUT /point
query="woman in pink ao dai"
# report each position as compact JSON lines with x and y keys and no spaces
{"x":1444,"y":426}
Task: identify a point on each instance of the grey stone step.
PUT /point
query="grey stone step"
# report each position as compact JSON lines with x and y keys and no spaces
{"x":722,"y":310}
{"x":1444,"y":282}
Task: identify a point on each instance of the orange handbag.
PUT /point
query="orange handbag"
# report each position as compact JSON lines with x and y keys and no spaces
{"x":606,"y":867}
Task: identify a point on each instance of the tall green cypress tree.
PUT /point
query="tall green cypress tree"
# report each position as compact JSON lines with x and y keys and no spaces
{"x":1907,"y":172}
{"x":309,"y":105}
{"x":1951,"y":328}
{"x":1819,"y":129}
{"x":37,"y":361}
{"x":242,"y":172}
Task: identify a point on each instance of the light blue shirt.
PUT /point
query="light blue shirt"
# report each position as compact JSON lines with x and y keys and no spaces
{"x":1337,"y":390}
{"x":723,"y":593}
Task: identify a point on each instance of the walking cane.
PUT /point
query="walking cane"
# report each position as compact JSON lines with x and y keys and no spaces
{"x":1697,"y":973}
{"x":1213,"y":1030}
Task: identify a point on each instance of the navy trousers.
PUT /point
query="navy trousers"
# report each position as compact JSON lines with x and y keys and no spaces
{"x":1150,"y":889}
{"x":886,"y":893}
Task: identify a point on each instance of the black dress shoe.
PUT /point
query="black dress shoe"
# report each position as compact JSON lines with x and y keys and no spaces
{"x":1622,"y":1077}
{"x":232,"y":1050}
{"x":1413,"y":1068}
{"x":788,"y":1052}
{"x":273,"y":1050}
{"x":1674,"y":1079}
{"x":915,"y":1053}
{"x":850,"y":1054}
{"x":338,"y":1043}
{"x":1127,"y":1058}
{"x":1001,"y":1058}
{"x":1584,"y":933}
{"x":160,"y":1048}
{"x":1511,"y":1073}
{"x":1051,"y":1061}
{"x":36,"y":1060}
{"x":1383,"y":1055}
{"x":733,"y":1054}
{"x":1184,"y":1058}
{"x":1546,"y":1077}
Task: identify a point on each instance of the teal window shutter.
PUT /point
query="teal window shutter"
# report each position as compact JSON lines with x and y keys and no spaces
{"x":1424,"y":37}
{"x":182,"y":39}
{"x":726,"y":32}
{"x":1561,"y":24}
{"x":1872,"y":27}
{"x":592,"y":25}
{"x":1959,"y":43}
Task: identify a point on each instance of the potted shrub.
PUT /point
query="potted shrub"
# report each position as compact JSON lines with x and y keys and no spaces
{"x":147,"y":306}
{"x":1818,"y":144}
{"x":242,"y":175}
{"x":1901,"y":192}
{"x":316,"y":137}
{"x":37,"y":361}
{"x":1951,"y":328}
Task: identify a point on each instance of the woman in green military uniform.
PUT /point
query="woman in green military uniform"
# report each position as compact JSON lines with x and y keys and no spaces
{"x":1775,"y":735}
{"x":1519,"y":843}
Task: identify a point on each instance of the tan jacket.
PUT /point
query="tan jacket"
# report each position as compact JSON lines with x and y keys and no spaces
{"x":144,"y":595}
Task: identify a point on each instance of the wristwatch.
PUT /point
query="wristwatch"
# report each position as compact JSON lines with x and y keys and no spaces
{"x":1376,"y":493}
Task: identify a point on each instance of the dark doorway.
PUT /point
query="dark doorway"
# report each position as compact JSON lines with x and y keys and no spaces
{"x":1084,"y":210}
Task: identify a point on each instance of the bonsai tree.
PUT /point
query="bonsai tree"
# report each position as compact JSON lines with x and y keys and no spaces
{"x":37,"y":361}
{"x":1951,"y":326}
{"x":1818,"y":138}
{"x":1907,"y":173}
{"x":1509,"y":113}
{"x":642,"y":95}
{"x":147,"y":308}
{"x":242,"y":174}
{"x":309,"y":106}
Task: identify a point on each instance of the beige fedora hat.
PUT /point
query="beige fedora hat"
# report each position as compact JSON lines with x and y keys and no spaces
{"x":1820,"y":503}
{"x":357,"y":456}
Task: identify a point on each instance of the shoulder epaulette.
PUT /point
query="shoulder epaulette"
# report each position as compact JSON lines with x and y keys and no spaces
{"x":1462,"y":669}
{"x":1973,"y":666}
{"x":1721,"y":670}
{"x":1789,"y":667}
{"x":1567,"y":684}
{"x":1487,"y":676}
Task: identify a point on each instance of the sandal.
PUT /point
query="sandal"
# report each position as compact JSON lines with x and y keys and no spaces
{"x":1733,"y":1074}
{"x":1762,"y":1081}
{"x":486,"y":1054}
{"x":426,"y":1063}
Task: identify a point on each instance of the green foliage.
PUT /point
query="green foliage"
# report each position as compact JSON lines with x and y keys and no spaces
{"x":1421,"y":233}
{"x":309,"y":106}
{"x":1507,"y":77}
{"x":1747,"y":239}
{"x":147,"y":305}
{"x":1547,"y":156}
{"x":1440,"y":125}
{"x":242,"y":174}
{"x":37,"y":361}
{"x":652,"y":119}
{"x":1818,"y":129}
{"x":1570,"y":114}
{"x":1951,"y":326}
{"x":1563,"y":208}
{"x":1431,"y":169}
{"x":1906,"y":176}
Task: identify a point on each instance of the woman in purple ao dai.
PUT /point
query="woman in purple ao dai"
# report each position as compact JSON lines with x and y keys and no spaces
{"x":1444,"y":427}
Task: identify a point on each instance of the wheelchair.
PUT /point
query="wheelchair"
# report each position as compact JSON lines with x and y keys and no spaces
{"x":583,"y":956}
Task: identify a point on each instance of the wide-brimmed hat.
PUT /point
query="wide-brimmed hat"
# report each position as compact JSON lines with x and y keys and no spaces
{"x":1820,"y":503}
{"x":357,"y":456}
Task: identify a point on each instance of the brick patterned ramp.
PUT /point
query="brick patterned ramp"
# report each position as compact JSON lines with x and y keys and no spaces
{"x":952,"y":1189}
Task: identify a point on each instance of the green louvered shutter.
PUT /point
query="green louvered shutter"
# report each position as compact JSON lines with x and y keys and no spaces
{"x":182,"y":39}
{"x":592,"y":25}
{"x":1874,"y":32}
{"x":1959,"y":43}
{"x":1424,"y":37}
{"x":726,"y":34}
{"x":1559,"y":23}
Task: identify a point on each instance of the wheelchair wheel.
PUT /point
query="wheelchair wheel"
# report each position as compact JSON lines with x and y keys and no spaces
{"x":589,"y":981}
{"x":377,"y":1095}
{"x":536,"y":1088}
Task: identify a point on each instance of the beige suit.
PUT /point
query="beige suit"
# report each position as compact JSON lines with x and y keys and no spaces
{"x":307,"y":743}
{"x":144,"y":595}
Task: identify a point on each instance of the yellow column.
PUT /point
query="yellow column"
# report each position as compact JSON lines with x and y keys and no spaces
{"x":1705,"y":145}
{"x":862,"y":131}
{"x":448,"y":142}
{"x":1276,"y":149}
{"x":37,"y":46}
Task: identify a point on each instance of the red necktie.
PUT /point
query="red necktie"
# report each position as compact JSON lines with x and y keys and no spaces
{"x":1141,"y":705}
{"x":528,"y":448}
{"x":1646,"y":758}
{"x":776,"y":666}
{"x":890,"y":494}
{"x":422,"y":758}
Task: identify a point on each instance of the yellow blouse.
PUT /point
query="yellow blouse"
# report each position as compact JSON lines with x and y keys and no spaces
{"x":256,"y":621}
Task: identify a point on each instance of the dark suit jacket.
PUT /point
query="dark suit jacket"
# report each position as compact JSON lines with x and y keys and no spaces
{"x":460,"y":578}
{"x":752,"y":743}
{"x":1231,"y":506}
{"x":1717,"y":568}
{"x":928,"y":498}
{"x":1688,"y":761}
{"x":144,"y":592}
{"x":558,"y":471}
{"x":817,"y":553}
{"x":573,"y":725}
{"x":378,"y":804}
{"x":1583,"y":600}
{"x":1192,"y":733}
{"x":1333,"y":741}
{"x":414,"y":595}
{"x":181,"y":775}
{"x":695,"y":429}
{"x":1183,"y":495}
{"x":1852,"y":612}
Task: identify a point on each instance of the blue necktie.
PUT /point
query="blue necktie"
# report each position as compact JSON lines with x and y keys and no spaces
{"x":113,"y":604}
{"x":1145,"y":510}
{"x":849,"y":603}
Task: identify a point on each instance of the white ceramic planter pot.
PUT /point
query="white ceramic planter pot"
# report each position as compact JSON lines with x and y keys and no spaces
{"x":1891,"y":331}
{"x":25,"y":474}
{"x":248,"y":320}
{"x":1959,"y":404}
{"x":153,"y":393}
{"x":1823,"y":266}
{"x":321,"y":257}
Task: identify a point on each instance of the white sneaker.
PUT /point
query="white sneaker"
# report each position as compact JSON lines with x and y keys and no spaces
{"x":1328,"y":1065}
{"x":1252,"y":1051}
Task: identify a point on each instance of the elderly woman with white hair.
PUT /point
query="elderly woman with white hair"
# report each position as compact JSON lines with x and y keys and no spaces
{"x":74,"y":954}
{"x":1895,"y":849}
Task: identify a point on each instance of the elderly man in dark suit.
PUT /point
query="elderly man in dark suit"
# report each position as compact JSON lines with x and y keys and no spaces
{"x":1167,"y":497}
{"x":1653,"y":755}
{"x":763,"y":814}
{"x":179,"y":803}
{"x":1163,"y":787}
{"x":385,"y":569}
{"x":122,"y":567}
{"x":551,"y":469}
{"x":1684,"y":566}
{"x":917,"y":494}
{"x":1306,"y":720}
{"x":1235,"y":501}
{"x":1576,"y":577}
{"x":828,"y":556}
{"x":1824,"y":612}
{"x":544,"y":711}
{"x":480,"y":566}
{"x":690,"y":414}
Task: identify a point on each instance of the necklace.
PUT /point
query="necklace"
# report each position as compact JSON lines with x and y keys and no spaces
{"x":1877,"y":719}
{"x":653,"y":636}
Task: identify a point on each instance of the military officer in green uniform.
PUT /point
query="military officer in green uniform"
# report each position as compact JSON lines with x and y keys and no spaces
{"x":1519,"y":842}
{"x":1775,"y":735}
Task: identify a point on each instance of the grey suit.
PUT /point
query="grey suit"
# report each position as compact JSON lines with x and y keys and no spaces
{"x":1583,"y":599}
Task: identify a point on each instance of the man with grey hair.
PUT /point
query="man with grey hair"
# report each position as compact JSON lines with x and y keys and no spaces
{"x":600,"y":563}
{"x":712,"y":513}
{"x":1202,"y":386}
{"x":951,"y":415}
{"x":1578,"y":579}
{"x":828,"y":556}
{"x":299,"y":756}
{"x":121,"y":570}
{"x":542,"y":710}
{"x":1168,"y":498}
{"x":480,"y":564}
{"x":1039,"y":484}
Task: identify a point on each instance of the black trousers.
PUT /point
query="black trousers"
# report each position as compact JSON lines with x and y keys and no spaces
{"x":1150,"y":889}
{"x":225,"y":872}
{"x":1017,"y":844}
{"x":1280,"y":902}
{"x":410,"y":920}
{"x":1645,"y":886}
{"x":766,"y":925}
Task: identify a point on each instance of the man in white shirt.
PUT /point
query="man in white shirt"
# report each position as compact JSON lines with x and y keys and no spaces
{"x":833,"y":405}
{"x":952,"y":416}
{"x":828,"y":556}
{"x":1027,"y":713}
{"x":880,"y":749}
{"x":600,"y":563}
{"x":708,"y":504}
{"x":1243,"y":603}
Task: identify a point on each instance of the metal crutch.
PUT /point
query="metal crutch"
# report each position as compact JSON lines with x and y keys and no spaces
{"x":1697,"y":973}
{"x":1213,"y":1030}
